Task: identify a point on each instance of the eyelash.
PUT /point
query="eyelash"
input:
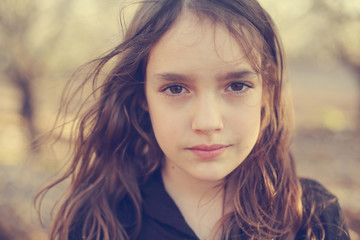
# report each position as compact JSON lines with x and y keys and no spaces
{"x":167,"y":89}
{"x":244,"y":87}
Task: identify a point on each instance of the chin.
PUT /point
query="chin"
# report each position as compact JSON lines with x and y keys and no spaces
{"x":210,"y":176}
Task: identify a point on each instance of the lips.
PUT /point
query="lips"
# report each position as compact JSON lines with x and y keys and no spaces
{"x":208,"y":151}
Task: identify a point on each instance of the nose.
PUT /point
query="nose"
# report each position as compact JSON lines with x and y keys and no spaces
{"x":207,"y":115}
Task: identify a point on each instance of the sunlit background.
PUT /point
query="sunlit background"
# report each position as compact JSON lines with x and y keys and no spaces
{"x":42,"y":42}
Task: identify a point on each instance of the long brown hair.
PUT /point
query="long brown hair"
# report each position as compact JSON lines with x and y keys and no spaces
{"x":115,"y":149}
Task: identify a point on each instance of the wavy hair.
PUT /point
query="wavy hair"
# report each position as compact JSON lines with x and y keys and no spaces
{"x":115,"y":149}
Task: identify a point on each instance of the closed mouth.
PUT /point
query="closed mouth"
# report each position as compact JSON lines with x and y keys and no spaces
{"x":208,"y":147}
{"x":209,"y":151}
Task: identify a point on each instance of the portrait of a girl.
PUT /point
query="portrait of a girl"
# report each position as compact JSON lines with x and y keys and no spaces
{"x":189,"y":137}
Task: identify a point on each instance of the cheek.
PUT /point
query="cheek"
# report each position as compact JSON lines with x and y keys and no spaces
{"x":245,"y":124}
{"x":166,"y":124}
{"x":246,"y":115}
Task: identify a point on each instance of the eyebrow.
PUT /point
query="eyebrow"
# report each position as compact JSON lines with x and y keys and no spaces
{"x":171,"y":77}
{"x":239,"y":75}
{"x":236,"y":75}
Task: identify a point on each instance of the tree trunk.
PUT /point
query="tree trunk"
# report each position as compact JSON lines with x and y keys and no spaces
{"x":22,"y":79}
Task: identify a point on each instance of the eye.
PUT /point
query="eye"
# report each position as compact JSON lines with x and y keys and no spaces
{"x":237,"y":87}
{"x":174,"y":90}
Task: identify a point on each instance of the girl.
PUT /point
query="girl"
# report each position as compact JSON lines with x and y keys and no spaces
{"x":189,"y":138}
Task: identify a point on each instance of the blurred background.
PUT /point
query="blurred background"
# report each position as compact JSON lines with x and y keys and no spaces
{"x":42,"y":42}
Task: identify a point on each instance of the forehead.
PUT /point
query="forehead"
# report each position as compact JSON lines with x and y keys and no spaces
{"x":194,"y":37}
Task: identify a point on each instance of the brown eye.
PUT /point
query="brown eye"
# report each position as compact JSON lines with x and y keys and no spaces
{"x":236,"y":87}
{"x":175,"y":89}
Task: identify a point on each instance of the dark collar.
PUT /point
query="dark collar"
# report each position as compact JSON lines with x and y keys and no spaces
{"x":158,"y":205}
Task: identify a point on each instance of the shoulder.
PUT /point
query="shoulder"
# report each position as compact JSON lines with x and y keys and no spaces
{"x":315,"y":193}
{"x":321,"y":212}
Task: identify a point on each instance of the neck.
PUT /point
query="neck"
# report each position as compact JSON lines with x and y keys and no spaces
{"x":201,"y":202}
{"x":179,"y":183}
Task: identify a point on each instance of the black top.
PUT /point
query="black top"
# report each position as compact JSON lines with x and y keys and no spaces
{"x":162,"y":219}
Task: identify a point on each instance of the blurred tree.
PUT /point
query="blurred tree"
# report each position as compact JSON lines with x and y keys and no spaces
{"x":23,"y":61}
{"x":341,"y":34}
{"x":346,"y":22}
{"x":321,"y":31}
{"x":16,"y":18}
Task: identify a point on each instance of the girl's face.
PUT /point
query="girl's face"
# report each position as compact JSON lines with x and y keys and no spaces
{"x":204,"y":100}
